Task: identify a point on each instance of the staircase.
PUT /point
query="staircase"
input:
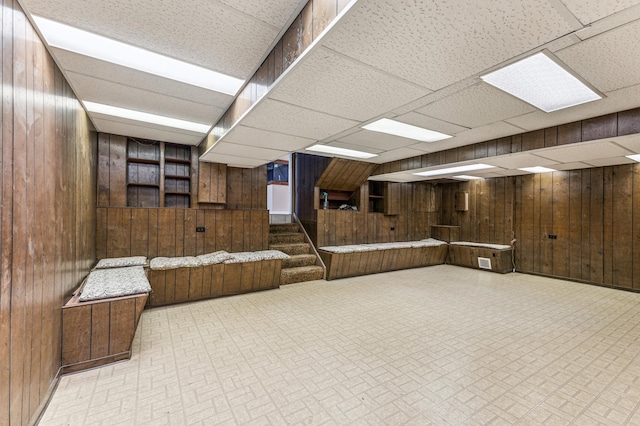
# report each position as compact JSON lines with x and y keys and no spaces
{"x":301,"y":266}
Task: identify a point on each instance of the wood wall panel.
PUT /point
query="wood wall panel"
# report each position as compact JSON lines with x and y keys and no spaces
{"x":593,"y":213}
{"x":112,"y":170}
{"x":47,"y":223}
{"x":168,"y":232}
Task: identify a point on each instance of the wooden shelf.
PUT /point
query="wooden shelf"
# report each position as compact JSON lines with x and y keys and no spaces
{"x":176,"y":193}
{"x":177,"y":160}
{"x":150,"y":185}
{"x":380,"y":197}
{"x":143,"y":161}
{"x":177,"y":177}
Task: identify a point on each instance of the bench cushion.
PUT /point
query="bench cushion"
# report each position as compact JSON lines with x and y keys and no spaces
{"x":114,"y":282}
{"x":121,"y":262}
{"x":214,"y":258}
{"x":162,"y":263}
{"x":353,"y":248}
{"x":484,"y":245}
{"x":432,"y":242}
{"x":255,"y":256}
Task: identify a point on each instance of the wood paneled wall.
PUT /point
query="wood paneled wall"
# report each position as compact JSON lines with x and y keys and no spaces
{"x":490,"y":215}
{"x":246,"y":188}
{"x":47,"y":217}
{"x":112,"y":170}
{"x":595,"y":214}
{"x":308,"y":25}
{"x":610,"y":125}
{"x":172,"y":232}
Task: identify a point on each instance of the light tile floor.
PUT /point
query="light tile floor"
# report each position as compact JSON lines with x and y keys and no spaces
{"x":439,"y":345}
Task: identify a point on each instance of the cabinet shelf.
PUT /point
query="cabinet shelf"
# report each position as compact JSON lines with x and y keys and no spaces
{"x":149,"y":185}
{"x":143,"y":161}
{"x":177,"y":160}
{"x":176,"y":193}
{"x":177,"y":177}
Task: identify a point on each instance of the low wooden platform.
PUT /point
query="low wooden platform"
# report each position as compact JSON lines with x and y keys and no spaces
{"x":99,"y":332}
{"x":180,"y":285}
{"x":342,"y":265}
{"x":467,"y":256}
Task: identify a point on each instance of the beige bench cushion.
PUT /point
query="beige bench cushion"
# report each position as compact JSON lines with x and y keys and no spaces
{"x":162,"y":263}
{"x":121,"y":262}
{"x":484,"y":245}
{"x":114,"y":282}
{"x":255,"y":256}
{"x":214,"y":258}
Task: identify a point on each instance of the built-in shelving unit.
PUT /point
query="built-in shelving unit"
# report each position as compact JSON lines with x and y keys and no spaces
{"x":177,"y":175}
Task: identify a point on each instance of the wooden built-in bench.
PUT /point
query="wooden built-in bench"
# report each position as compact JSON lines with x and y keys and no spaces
{"x":186,"y":279}
{"x":363,"y":259}
{"x":101,"y":318}
{"x":475,"y":255}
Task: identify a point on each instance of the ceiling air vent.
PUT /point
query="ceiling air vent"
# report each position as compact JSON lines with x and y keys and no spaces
{"x":484,"y":263}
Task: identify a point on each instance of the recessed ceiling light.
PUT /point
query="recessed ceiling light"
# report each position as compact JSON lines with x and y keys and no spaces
{"x":635,"y":157}
{"x":457,"y":169}
{"x":467,"y":177}
{"x":396,"y":128}
{"x":341,"y":151}
{"x":542,"y":81}
{"x":105,"y":49}
{"x":146,"y":117}
{"x":537,"y":169}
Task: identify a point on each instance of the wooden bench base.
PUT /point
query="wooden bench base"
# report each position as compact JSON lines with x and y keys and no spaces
{"x":99,"y":332}
{"x":342,"y":265}
{"x":467,"y":256}
{"x":180,"y":285}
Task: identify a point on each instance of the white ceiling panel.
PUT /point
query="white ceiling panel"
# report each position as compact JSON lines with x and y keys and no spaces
{"x":216,"y":36}
{"x":456,"y":39}
{"x":604,"y":162}
{"x":511,"y":172}
{"x":124,"y":128}
{"x":109,"y":93}
{"x":232,"y":160}
{"x":227,"y":148}
{"x":273,"y":12}
{"x":280,"y":117}
{"x":370,"y":150}
{"x":395,"y":154}
{"x":377,"y":140}
{"x":588,"y":11}
{"x":609,"y":61}
{"x":334,"y":84}
{"x":477,"y":106}
{"x":244,"y":135}
{"x":571,"y":166}
{"x":431,"y":123}
{"x":631,"y":142}
{"x":478,"y":134}
{"x":83,"y":65}
{"x":516,"y":161}
{"x":583,"y":152}
{"x":618,"y":100}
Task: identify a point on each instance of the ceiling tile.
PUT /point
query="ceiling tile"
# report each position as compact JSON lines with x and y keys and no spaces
{"x":289,"y":119}
{"x":126,"y":128}
{"x":435,"y":44}
{"x":377,"y":140}
{"x":395,"y":154}
{"x":511,"y":172}
{"x":583,"y":152}
{"x":217,"y":37}
{"x":233,"y":161}
{"x":228,"y":148}
{"x":516,"y":161}
{"x":273,"y":12}
{"x":588,"y":11}
{"x":370,"y":150}
{"x":83,"y":65}
{"x":631,"y":142}
{"x":477,"y":106}
{"x":109,"y":93}
{"x":431,"y":123}
{"x":614,"y":161}
{"x":571,"y":166}
{"x":609,"y":61}
{"x":244,"y":135}
{"x":479,"y":134}
{"x":618,"y":100}
{"x":334,"y":84}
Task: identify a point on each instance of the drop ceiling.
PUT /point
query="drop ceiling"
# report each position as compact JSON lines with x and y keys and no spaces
{"x":416,"y":62}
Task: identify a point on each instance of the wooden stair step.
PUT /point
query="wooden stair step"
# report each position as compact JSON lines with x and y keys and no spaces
{"x":286,"y":237}
{"x":299,"y":260}
{"x":291,"y":249}
{"x":286,"y":228}
{"x":301,"y":274}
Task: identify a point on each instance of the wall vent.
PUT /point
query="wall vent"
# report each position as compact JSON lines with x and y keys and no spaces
{"x":484,"y":263}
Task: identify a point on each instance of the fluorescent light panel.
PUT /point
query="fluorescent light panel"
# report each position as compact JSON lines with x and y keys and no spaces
{"x":396,"y":128}
{"x":340,"y":151}
{"x":541,"y":81}
{"x":146,"y":117}
{"x":635,"y":157}
{"x":537,"y":169}
{"x":457,"y":169}
{"x":105,"y":49}
{"x":467,"y":177}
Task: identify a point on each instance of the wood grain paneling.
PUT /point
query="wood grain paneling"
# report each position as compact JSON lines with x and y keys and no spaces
{"x":212,"y":183}
{"x":171,"y":232}
{"x":344,"y":175}
{"x":47,"y":223}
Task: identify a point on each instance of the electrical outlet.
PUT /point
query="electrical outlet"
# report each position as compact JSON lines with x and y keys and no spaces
{"x":553,"y":237}
{"x":199,"y":228}
{"x":393,"y":229}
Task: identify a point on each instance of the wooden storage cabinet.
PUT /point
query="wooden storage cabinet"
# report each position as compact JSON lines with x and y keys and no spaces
{"x":158,"y":174}
{"x":384,"y":198}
